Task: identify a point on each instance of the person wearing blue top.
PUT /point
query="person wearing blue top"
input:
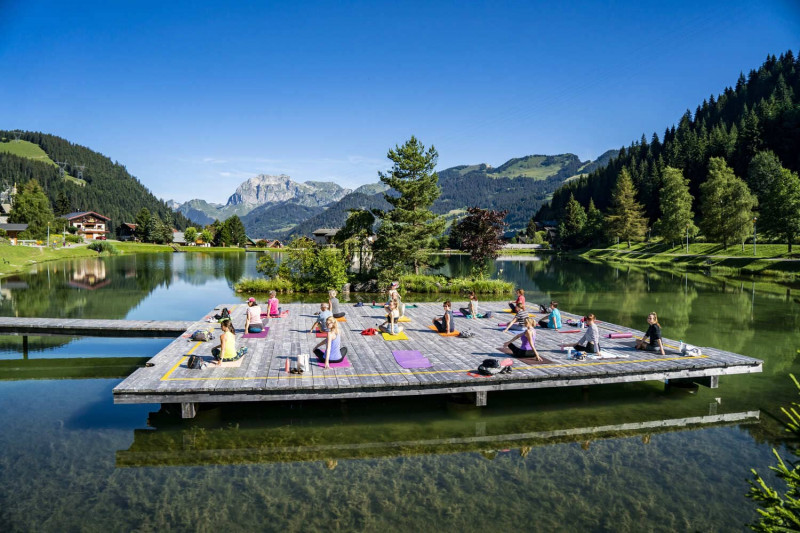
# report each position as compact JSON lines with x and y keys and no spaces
{"x":322,"y":318}
{"x":445,"y":323}
{"x":553,"y":319}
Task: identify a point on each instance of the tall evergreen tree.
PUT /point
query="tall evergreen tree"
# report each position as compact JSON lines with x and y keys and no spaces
{"x":780,"y":213}
{"x":32,"y":207}
{"x":727,"y":204}
{"x":142,"y":224}
{"x":594,"y":230}
{"x":570,"y":232}
{"x":626,"y":220}
{"x":238,"y":236}
{"x":62,"y":205}
{"x":676,"y":207}
{"x":410,"y":229}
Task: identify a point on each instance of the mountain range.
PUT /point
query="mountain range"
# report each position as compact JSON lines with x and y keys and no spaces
{"x":277,"y":207}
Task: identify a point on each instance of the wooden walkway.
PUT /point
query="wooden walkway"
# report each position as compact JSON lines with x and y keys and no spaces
{"x":261,"y":375}
{"x":82,"y":327}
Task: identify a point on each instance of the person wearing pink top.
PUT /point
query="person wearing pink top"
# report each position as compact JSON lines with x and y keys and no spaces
{"x":273,"y":302}
{"x":520,"y":300}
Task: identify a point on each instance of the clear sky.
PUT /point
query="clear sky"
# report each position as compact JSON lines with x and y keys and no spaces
{"x":195,"y":97}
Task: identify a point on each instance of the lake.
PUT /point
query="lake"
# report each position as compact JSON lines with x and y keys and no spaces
{"x":636,"y":457}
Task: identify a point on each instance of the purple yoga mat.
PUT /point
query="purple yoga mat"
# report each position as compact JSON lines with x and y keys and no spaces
{"x":411,"y":359}
{"x":341,"y":364}
{"x":261,"y":335}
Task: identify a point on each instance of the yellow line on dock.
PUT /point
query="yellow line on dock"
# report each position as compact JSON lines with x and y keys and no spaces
{"x":166,"y":377}
{"x":378,"y":374}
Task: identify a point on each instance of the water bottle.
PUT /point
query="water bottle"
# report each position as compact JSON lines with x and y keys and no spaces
{"x":570,"y":351}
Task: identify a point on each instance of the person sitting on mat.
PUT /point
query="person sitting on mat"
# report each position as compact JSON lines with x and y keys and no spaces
{"x":334,"y":352}
{"x":333,"y":304}
{"x":252,"y":321}
{"x":590,"y":342}
{"x":553,"y":318}
{"x":390,"y":325}
{"x":520,"y":300}
{"x":471,"y":309}
{"x":321,"y":324}
{"x":226,"y":349}
{"x":527,"y":346}
{"x":393,"y":294}
{"x":653,"y":334}
{"x":273,"y":303}
{"x":445,"y":323}
{"x":519,"y":319}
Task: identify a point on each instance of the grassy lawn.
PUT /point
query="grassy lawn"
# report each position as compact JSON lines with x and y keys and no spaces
{"x":128,"y":247}
{"x":768,"y":250}
{"x":16,"y":258}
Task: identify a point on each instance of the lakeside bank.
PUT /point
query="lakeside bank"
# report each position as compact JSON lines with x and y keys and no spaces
{"x":772,"y":260}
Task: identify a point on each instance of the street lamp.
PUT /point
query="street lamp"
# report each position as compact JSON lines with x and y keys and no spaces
{"x":48,"y":235}
{"x":754,"y":235}
{"x":687,"y":238}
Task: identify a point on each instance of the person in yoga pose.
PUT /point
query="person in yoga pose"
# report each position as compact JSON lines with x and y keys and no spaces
{"x":321,"y":323}
{"x":393,"y":294}
{"x":273,"y":303}
{"x":527,"y":346}
{"x":226,"y":349}
{"x":520,"y":300}
{"x":472,"y":307}
{"x":334,"y":351}
{"x":590,"y":342}
{"x":553,"y":318}
{"x":653,"y":334}
{"x":519,"y":319}
{"x":444,"y":324}
{"x":333,"y":304}
{"x":390,"y":325}
{"x":252,"y":321}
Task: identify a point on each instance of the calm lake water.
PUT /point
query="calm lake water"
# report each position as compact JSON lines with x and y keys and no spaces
{"x":636,"y":457}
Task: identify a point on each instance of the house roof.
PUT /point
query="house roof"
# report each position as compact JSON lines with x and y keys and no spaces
{"x":78,"y":214}
{"x":14,"y":227}
{"x":130,"y":226}
{"x":330,"y":232}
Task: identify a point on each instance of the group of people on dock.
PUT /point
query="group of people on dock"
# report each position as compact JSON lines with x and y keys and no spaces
{"x":329,"y":350}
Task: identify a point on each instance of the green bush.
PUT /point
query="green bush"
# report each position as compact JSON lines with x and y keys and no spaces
{"x":73,"y":239}
{"x":102,"y":246}
{"x":251,"y":286}
{"x":440,"y":284}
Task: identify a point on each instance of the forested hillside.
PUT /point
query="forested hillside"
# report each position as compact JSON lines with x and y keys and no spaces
{"x":519,"y":186}
{"x":110,"y":190}
{"x":761,"y":112}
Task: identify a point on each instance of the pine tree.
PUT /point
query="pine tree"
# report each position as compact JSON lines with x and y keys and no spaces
{"x":410,"y":229}
{"x":676,"y":207}
{"x":62,"y":206}
{"x":626,"y":220}
{"x":238,"y":236}
{"x":32,"y":207}
{"x":571,"y":231}
{"x":727,"y":204}
{"x":594,"y":230}
{"x":780,"y":212}
{"x":142,"y":224}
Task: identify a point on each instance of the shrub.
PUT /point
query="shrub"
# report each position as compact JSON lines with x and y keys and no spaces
{"x":73,"y":239}
{"x":102,"y":246}
{"x":434,"y":284}
{"x":259,"y":285}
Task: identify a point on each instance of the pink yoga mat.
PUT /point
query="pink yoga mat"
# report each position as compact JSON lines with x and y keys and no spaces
{"x":411,"y":359}
{"x":341,"y":364}
{"x":261,"y":335}
{"x":619,"y":335}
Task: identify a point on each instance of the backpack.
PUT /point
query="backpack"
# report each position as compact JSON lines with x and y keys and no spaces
{"x":489,"y":367}
{"x":224,"y":314}
{"x":202,"y":335}
{"x":466,"y":334}
{"x":194,"y":361}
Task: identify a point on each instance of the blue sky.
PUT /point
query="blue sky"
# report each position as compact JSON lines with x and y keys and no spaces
{"x":195,"y":97}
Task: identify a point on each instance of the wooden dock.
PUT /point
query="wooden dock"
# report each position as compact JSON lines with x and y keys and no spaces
{"x":84,"y":327}
{"x":261,"y":375}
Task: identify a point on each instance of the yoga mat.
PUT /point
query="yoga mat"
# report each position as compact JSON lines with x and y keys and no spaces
{"x":507,"y":311}
{"x":569,"y":330}
{"x":619,"y":335}
{"x":321,"y":335}
{"x":453,"y":334}
{"x":533,"y":361}
{"x":411,"y":306}
{"x":457,"y":313}
{"x":411,"y":359}
{"x":376,"y":306}
{"x":261,"y":335}
{"x":404,"y":319}
{"x":264,"y":315}
{"x":399,"y":337}
{"x":341,"y":319}
{"x":232,"y":364}
{"x":344,"y":363}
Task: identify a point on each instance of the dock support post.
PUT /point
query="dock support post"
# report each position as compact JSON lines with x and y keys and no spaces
{"x":24,"y":346}
{"x":188,"y":410}
{"x":713,"y":382}
{"x":480,"y":398}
